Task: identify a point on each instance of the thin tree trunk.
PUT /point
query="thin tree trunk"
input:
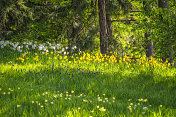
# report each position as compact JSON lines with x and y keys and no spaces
{"x":103,"y":26}
{"x":109,"y":25}
{"x":164,"y":4}
{"x":149,"y":42}
{"x":75,"y":28}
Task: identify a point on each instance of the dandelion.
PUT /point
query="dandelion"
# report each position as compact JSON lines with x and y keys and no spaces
{"x":72,"y":91}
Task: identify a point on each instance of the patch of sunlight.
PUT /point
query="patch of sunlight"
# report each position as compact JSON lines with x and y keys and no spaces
{"x":8,"y":68}
{"x":73,"y":112}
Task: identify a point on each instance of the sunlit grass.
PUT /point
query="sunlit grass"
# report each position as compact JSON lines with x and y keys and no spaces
{"x":84,"y":84}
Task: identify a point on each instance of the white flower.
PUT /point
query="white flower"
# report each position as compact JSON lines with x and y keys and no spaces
{"x":30,"y":43}
{"x":64,"y":52}
{"x":40,"y":47}
{"x":18,"y":48}
{"x":74,"y":47}
{"x":53,"y":47}
{"x":1,"y":42}
{"x":2,"y":46}
{"x":27,"y":47}
{"x":33,"y":46}
{"x":24,"y":42}
{"x":66,"y":48}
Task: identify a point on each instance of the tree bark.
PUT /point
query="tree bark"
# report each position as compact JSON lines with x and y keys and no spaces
{"x":75,"y":28}
{"x":149,"y":42}
{"x":103,"y":26}
{"x":109,"y":25}
{"x":164,"y":4}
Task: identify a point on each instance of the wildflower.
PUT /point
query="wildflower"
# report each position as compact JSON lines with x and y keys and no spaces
{"x":161,"y":106}
{"x":145,"y":100}
{"x":41,"y":106}
{"x":97,"y":106}
{"x":144,"y":108}
{"x":143,"y":112}
{"x":18,"y":106}
{"x":32,"y":102}
{"x":46,"y":53}
{"x":35,"y":53}
{"x":79,"y":108}
{"x":102,"y":109}
{"x":52,"y":102}
{"x":46,"y":100}
{"x":51,"y":52}
{"x":72,"y":91}
{"x":0,"y":89}
{"x":85,"y":100}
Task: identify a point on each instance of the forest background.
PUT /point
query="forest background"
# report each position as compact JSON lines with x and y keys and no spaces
{"x":128,"y":27}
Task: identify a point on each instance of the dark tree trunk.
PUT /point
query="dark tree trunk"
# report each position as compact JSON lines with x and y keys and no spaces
{"x":76,"y":27}
{"x":103,"y":26}
{"x":149,"y":42}
{"x":164,"y":4}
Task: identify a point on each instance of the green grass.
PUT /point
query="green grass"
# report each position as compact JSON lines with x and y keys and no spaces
{"x":54,"y":88}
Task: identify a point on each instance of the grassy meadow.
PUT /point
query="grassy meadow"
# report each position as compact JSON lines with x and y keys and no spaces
{"x":36,"y":81}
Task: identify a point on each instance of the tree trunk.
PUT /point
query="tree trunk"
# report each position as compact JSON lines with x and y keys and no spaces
{"x":164,"y":4}
{"x":103,"y":26}
{"x":76,"y":27}
{"x":149,"y":42}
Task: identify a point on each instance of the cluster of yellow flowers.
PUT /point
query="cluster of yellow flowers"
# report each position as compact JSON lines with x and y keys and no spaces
{"x":130,"y":61}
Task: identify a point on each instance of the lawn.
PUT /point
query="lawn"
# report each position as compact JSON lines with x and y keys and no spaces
{"x":37,"y":82}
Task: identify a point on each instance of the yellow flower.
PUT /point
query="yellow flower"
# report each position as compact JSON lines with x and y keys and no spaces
{"x":102,"y":109}
{"x":98,"y":107}
{"x":0,"y":89}
{"x":18,"y":106}
{"x":51,"y":52}
{"x":46,"y":100}
{"x":85,"y":100}
{"x":72,"y":91}
{"x":145,"y":100}
{"x":46,"y":53}
{"x":35,"y":53}
{"x":32,"y":102}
